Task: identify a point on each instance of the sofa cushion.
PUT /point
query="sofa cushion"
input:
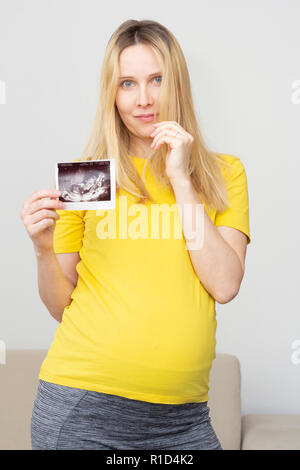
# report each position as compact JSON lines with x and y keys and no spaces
{"x":270,"y":432}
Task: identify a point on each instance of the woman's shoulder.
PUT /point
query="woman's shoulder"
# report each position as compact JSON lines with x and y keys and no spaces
{"x":229,"y":158}
{"x":230,"y":164}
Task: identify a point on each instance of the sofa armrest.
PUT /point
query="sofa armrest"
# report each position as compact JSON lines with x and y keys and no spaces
{"x":18,"y":387}
{"x":225,"y":400}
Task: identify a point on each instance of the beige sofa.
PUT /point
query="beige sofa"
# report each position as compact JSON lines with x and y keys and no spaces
{"x":18,"y":385}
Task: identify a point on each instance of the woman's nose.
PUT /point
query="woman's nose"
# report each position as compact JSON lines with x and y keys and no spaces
{"x":144,"y":96}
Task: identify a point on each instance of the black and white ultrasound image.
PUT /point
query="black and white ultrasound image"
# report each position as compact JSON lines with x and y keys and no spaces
{"x":84,"y":181}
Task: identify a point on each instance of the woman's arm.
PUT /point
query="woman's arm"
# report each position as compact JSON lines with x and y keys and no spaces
{"x":217,"y":265}
{"x":56,"y":280}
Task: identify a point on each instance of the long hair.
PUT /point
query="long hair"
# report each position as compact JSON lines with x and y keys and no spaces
{"x":109,"y":137}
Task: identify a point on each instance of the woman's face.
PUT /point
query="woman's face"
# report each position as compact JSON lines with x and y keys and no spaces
{"x":139,"y":93}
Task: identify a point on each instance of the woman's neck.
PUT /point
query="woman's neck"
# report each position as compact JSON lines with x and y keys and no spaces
{"x":140,"y":149}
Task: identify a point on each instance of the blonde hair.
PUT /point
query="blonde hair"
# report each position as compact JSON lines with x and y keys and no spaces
{"x":109,"y":137}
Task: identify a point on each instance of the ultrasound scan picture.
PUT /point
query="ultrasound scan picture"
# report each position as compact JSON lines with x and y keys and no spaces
{"x":91,"y":188}
{"x":87,"y":184}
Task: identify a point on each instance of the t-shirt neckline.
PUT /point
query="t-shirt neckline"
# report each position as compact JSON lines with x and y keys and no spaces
{"x":139,"y":158}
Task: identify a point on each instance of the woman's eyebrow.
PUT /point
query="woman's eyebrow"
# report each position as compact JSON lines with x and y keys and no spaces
{"x":131,"y":76}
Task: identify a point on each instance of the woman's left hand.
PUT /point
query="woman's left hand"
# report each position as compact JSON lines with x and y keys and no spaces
{"x":180,"y":145}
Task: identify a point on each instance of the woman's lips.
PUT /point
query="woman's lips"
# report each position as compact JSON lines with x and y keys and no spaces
{"x":146,"y":119}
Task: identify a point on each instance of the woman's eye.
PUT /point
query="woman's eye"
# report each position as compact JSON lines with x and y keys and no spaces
{"x":129,"y":81}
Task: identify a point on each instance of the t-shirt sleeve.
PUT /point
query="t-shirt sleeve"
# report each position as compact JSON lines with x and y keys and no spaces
{"x":237,"y":214}
{"x":69,"y":231}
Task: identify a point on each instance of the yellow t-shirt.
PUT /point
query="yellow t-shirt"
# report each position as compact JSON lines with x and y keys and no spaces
{"x":140,"y":324}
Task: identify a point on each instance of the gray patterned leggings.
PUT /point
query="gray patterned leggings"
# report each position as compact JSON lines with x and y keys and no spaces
{"x":72,"y":418}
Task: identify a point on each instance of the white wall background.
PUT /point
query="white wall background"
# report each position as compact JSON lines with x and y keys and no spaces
{"x":243,"y":58}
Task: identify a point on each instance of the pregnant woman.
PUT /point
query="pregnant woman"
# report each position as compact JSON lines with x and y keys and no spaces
{"x":129,"y":365}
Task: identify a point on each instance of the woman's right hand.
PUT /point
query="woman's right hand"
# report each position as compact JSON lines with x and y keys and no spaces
{"x":39,"y":217}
